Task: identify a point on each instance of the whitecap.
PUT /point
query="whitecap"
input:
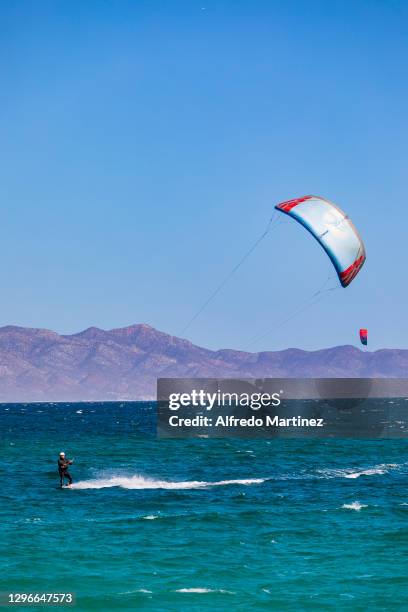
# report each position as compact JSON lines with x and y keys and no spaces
{"x":380,"y":469}
{"x":202,"y":590}
{"x":377,"y":470}
{"x":354,"y":506}
{"x":150,"y":517}
{"x":135,"y":591}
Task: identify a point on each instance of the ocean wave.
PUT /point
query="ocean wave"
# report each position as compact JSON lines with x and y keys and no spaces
{"x":150,"y":517}
{"x":354,"y":506}
{"x":140,"y":482}
{"x":203,"y":590}
{"x":135,"y":591}
{"x":377,"y":470}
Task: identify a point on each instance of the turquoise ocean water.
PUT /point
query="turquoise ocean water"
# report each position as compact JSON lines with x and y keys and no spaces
{"x":198,"y":524}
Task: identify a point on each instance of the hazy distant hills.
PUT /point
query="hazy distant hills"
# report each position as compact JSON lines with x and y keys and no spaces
{"x":41,"y":365}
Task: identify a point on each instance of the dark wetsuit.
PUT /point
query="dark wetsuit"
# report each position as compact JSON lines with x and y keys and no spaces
{"x":63,"y":471}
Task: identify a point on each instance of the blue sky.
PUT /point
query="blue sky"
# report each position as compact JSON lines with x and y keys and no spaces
{"x":144,"y":145}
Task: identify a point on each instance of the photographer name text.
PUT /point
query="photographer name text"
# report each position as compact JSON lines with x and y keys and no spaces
{"x":252,"y":421}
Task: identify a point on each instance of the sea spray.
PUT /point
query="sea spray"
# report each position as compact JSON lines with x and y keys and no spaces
{"x":140,"y":482}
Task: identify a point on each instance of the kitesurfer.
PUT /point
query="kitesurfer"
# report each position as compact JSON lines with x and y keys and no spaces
{"x":63,"y":464}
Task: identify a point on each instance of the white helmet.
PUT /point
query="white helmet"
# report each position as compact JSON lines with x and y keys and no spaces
{"x":62,"y":454}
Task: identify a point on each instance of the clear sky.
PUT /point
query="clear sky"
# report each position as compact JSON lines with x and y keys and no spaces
{"x":145,"y":143}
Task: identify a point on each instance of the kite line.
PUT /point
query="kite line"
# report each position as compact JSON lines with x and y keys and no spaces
{"x":272,"y":223}
{"x":304,"y":305}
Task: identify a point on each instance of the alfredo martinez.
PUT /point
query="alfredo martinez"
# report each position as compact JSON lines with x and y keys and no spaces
{"x":252,"y":421}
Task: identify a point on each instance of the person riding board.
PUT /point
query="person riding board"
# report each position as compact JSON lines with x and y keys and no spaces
{"x":63,"y":464}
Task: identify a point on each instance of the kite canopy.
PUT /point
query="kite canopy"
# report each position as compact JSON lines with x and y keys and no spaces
{"x":333,"y":230}
{"x":364,"y":336}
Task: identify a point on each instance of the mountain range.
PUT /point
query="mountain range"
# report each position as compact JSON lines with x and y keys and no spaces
{"x":124,"y":363}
